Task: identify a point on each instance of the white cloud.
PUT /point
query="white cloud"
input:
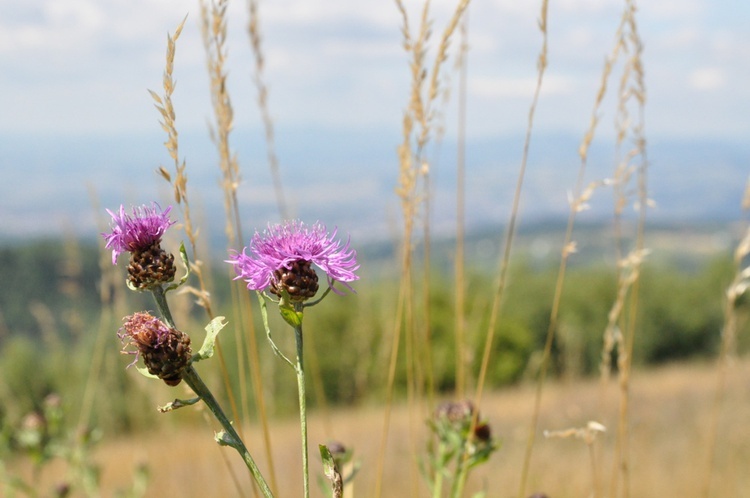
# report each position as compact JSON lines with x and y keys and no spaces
{"x":679,"y":38}
{"x":707,"y":79}
{"x":503,"y":87}
{"x":327,"y":58}
{"x":310,"y":12}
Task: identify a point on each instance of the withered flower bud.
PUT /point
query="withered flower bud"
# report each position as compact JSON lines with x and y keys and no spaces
{"x":165,"y":351}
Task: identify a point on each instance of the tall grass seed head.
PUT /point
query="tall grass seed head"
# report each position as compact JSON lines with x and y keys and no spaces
{"x":165,"y":351}
{"x":140,"y":233}
{"x":281,"y":260}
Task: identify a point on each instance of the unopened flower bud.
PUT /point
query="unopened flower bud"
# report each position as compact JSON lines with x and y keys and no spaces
{"x":300,"y":281}
{"x":150,"y":266}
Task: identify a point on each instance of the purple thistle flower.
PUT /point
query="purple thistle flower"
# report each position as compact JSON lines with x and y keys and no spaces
{"x":136,"y":231}
{"x":283,"y":246}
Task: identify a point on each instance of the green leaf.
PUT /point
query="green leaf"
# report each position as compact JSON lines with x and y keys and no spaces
{"x":264,"y":313}
{"x":212,"y":330}
{"x":331,"y":471}
{"x":329,"y":464}
{"x":185,"y":264}
{"x":288,"y":312}
{"x":144,"y":371}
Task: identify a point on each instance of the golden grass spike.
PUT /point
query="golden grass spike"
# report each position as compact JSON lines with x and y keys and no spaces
{"x":262,"y":101}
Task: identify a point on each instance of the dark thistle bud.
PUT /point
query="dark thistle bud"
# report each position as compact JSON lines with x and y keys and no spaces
{"x":300,"y":281}
{"x":482,"y":432}
{"x":165,"y":351}
{"x":150,"y":266}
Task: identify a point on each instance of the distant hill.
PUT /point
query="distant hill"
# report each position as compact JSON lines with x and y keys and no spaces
{"x":346,"y":178}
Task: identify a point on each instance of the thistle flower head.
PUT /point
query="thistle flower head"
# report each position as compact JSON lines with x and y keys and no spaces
{"x":453,"y":419}
{"x":139,"y":230}
{"x":455,"y":412}
{"x":281,"y":259}
{"x":165,"y":351}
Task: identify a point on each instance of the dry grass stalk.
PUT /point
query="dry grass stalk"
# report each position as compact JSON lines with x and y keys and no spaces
{"x":253,"y":29}
{"x":632,"y":90}
{"x":417,"y":130}
{"x":214,"y":33}
{"x":631,"y":86}
{"x":505,"y":254}
{"x":504,"y":264}
{"x":588,"y":435}
{"x":460,"y":273}
{"x":736,"y":289}
{"x":165,"y":107}
{"x":201,"y":293}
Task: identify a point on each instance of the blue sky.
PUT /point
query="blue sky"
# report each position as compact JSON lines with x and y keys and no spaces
{"x":84,"y":65}
{"x":81,"y":69}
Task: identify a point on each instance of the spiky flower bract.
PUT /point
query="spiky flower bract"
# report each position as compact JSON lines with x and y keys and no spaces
{"x":280,"y":258}
{"x":138,"y":230}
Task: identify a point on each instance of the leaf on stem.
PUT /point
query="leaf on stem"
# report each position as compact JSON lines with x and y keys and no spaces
{"x":289,"y":313}
{"x":144,"y":371}
{"x":185,"y":264}
{"x":212,"y":330}
{"x":264,"y":314}
{"x":178,"y":403}
{"x":331,"y":471}
{"x":224,"y":439}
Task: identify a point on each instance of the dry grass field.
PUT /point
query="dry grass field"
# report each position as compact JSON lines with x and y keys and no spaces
{"x":671,"y":413}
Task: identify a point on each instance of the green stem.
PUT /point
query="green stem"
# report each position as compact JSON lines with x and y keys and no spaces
{"x":161,"y":303}
{"x":437,"y":488}
{"x":462,"y":471}
{"x":191,"y":377}
{"x":302,"y":411}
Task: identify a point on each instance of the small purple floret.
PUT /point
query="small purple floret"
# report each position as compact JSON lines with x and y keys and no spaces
{"x":283,"y":244}
{"x":145,"y":226}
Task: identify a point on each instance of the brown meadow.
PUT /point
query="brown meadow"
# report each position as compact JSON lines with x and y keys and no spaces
{"x":671,"y":407}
